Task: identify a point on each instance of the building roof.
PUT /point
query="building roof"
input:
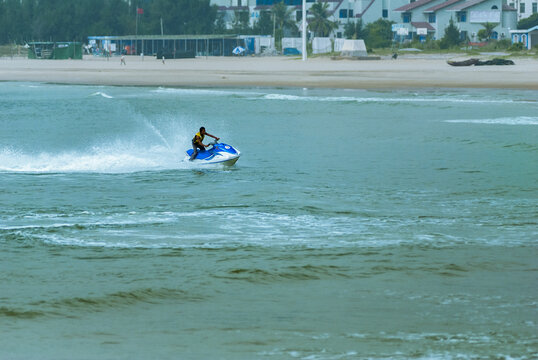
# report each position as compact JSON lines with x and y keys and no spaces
{"x":162,"y":37}
{"x":465,"y":5}
{"x":524,"y":31}
{"x":426,"y":25}
{"x":441,"y":6}
{"x":413,"y":5}
{"x":508,"y":8}
{"x":223,"y":8}
{"x":365,"y":9}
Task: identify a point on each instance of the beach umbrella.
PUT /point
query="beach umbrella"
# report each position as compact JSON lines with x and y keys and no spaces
{"x":238,"y":50}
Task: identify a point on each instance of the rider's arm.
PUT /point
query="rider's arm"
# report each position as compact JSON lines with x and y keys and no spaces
{"x":199,"y":142}
{"x":213,"y":136}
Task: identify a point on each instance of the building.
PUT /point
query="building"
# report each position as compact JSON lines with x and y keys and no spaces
{"x":55,"y":50}
{"x":414,"y":19}
{"x":528,"y":37}
{"x":171,"y":46}
{"x":524,"y":8}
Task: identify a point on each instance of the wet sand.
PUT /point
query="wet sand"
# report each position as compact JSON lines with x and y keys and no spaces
{"x":273,"y":72}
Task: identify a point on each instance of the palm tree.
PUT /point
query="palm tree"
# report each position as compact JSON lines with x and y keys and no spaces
{"x":319,"y":23}
{"x":488,"y":29}
{"x":282,"y":19}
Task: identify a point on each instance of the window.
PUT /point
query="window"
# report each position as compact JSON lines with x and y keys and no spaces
{"x":462,"y":16}
{"x":343,"y":13}
{"x":350,"y":12}
{"x":494,"y":7}
{"x":463,"y":35}
{"x":534,"y":8}
{"x":299,"y":15}
{"x":522,"y":7}
{"x":406,"y":17}
{"x":431,"y":18}
{"x":385,"y":13}
{"x":339,"y":35}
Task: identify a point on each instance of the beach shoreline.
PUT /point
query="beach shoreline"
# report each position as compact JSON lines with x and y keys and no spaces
{"x":320,"y":72}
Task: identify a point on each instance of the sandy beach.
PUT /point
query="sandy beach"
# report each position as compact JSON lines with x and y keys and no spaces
{"x":406,"y":72}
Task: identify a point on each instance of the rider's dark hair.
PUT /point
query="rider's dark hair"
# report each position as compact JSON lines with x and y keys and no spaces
{"x":202,"y":128}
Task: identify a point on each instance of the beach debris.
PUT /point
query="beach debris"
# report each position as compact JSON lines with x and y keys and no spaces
{"x":463,"y":63}
{"x":496,"y":61}
{"x":478,"y":62}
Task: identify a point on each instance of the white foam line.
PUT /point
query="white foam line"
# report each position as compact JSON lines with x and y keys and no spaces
{"x":385,"y":100}
{"x":521,"y":120}
{"x":201,"y":92}
{"x":102,"y":94}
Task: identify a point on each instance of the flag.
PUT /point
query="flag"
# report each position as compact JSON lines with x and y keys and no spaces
{"x":139,"y":11}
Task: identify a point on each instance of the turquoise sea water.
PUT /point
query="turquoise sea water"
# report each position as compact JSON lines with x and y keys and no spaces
{"x":357,"y":224}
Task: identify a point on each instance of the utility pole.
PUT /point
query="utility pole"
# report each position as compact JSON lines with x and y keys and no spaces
{"x":162,"y":32}
{"x":304,"y":30}
{"x":274,"y":25}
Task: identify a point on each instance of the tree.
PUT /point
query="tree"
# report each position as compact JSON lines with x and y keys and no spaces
{"x":378,"y":34}
{"x":240,"y":24}
{"x":283,"y":19}
{"x":529,"y":22}
{"x":488,"y":30}
{"x":220,"y":24}
{"x":319,"y":22}
{"x":482,"y":35}
{"x":264,"y":25}
{"x":354,"y":30}
{"x":182,"y":16}
{"x":452,"y":36}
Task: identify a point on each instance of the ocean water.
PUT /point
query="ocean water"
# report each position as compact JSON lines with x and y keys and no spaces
{"x":356,"y":225}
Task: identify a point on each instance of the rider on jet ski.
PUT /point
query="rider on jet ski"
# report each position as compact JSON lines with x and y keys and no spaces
{"x":197,"y":142}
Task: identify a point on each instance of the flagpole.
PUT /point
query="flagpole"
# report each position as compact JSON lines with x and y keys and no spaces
{"x":304,"y":30}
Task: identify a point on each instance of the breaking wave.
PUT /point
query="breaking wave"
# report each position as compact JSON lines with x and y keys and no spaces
{"x":105,"y":95}
{"x":521,"y":120}
{"x":369,"y":99}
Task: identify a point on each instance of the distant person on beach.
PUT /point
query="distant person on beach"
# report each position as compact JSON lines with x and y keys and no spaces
{"x":197,"y":142}
{"x":122,"y":60}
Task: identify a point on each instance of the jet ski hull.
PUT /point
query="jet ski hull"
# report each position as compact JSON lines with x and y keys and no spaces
{"x":219,"y":154}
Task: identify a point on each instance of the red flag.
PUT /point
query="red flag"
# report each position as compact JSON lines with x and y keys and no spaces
{"x":139,"y":11}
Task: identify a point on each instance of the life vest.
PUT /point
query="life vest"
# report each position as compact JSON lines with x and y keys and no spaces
{"x":198,"y":135}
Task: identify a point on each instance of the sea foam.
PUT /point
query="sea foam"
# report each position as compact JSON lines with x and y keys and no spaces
{"x":105,"y":95}
{"x":112,"y":158}
{"x":521,"y":120}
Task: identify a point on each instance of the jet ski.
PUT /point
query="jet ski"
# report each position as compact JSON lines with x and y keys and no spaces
{"x":219,"y":153}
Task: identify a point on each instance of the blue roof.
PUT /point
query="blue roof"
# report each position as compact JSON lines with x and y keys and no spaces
{"x":525,"y":30}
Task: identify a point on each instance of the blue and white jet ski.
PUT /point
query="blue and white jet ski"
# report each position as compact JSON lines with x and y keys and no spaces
{"x":221,"y":154}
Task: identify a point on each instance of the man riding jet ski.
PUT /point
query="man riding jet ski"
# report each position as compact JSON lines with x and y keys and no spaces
{"x":219,"y":153}
{"x":197,"y":142}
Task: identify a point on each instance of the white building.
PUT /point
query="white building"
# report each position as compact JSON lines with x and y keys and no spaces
{"x":420,"y":18}
{"x":525,"y":8}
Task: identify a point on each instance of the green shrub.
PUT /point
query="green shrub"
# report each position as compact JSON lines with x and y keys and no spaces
{"x":529,"y":22}
{"x":516,"y":47}
{"x":452,"y":36}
